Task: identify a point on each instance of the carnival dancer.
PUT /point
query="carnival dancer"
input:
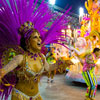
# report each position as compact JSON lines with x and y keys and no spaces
{"x":88,"y":74}
{"x":89,"y":64}
{"x":22,"y":34}
{"x":51,"y":59}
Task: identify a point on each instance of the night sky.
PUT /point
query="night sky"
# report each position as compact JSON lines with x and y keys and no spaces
{"x":75,"y":4}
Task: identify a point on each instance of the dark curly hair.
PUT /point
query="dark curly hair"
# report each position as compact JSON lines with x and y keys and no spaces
{"x":96,"y":49}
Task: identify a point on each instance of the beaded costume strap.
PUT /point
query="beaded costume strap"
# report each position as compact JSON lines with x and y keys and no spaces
{"x":21,"y":95}
{"x":29,"y":70}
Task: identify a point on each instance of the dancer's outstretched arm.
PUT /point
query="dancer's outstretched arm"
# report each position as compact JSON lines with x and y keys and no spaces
{"x":78,"y":54}
{"x":76,"y":51}
{"x":17,"y":60}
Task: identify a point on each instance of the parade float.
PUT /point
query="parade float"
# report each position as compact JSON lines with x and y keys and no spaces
{"x":88,"y":39}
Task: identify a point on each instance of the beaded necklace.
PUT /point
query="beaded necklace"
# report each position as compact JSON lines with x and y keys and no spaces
{"x":33,"y":55}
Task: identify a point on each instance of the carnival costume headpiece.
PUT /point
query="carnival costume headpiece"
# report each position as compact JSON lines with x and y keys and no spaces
{"x":25,"y":28}
{"x":22,"y":16}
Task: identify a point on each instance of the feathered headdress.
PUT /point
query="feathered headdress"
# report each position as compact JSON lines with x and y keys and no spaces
{"x":19,"y":14}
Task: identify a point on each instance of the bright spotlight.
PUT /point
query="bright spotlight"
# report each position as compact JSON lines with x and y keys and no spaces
{"x":81,"y":11}
{"x":52,"y":2}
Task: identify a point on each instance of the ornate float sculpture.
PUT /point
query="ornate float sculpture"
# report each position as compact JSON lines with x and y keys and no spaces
{"x":93,"y":8}
{"x":90,"y":32}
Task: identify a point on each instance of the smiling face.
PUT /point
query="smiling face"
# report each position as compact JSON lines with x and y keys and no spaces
{"x":35,"y":41}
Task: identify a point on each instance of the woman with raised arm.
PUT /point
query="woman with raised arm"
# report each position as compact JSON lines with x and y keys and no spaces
{"x":88,"y":73}
{"x":22,"y":35}
{"x":28,"y":66}
{"x":88,"y":60}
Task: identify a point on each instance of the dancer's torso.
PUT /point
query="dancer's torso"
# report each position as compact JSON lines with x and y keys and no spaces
{"x":89,"y":63}
{"x":29,"y":75}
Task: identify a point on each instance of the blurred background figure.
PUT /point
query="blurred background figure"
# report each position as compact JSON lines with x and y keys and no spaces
{"x":51,"y":59}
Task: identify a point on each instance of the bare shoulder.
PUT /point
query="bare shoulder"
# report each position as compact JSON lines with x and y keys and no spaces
{"x":43,"y":56}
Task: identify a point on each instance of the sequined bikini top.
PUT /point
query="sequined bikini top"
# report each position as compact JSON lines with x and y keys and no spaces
{"x":26,"y":73}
